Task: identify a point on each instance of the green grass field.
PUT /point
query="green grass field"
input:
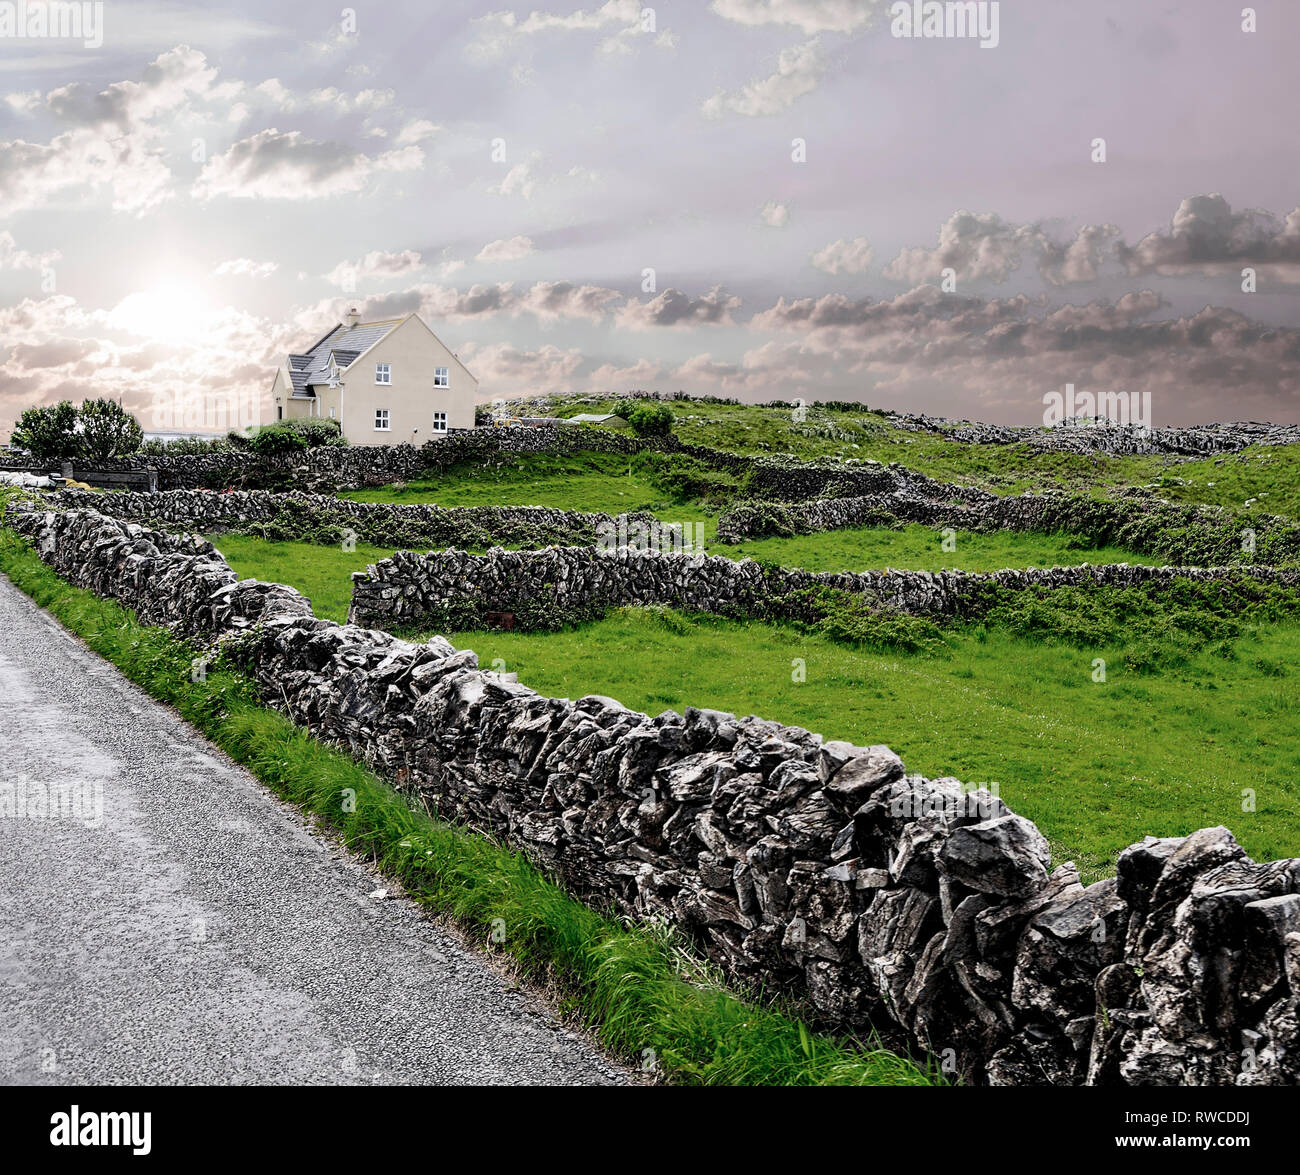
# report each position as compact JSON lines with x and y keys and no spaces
{"x":596,"y":482}
{"x":323,"y":574}
{"x":1228,"y":480}
{"x":920,"y":548}
{"x":1096,"y":765}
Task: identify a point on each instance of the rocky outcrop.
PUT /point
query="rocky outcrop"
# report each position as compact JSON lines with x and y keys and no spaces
{"x":555,"y":587}
{"x":821,"y":869}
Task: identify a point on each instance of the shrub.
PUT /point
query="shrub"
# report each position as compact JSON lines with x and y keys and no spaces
{"x":274,"y":440}
{"x":685,"y":479}
{"x":651,"y":420}
{"x":317,"y":431}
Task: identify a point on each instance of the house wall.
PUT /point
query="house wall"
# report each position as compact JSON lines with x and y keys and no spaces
{"x":412,"y":352}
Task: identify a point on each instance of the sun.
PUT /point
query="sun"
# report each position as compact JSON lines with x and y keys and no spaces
{"x":168,"y":314}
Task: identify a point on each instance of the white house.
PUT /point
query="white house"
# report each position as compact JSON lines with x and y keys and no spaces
{"x":387,"y":383}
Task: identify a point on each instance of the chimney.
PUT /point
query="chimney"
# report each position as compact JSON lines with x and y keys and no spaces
{"x":351,"y":318}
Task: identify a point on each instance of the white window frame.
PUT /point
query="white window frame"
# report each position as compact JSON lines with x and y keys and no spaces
{"x":383,"y":373}
{"x":439,"y":427}
{"x":387,"y":425}
{"x":442,"y":377}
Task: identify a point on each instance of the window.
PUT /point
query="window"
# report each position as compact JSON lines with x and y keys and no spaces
{"x":381,"y":420}
{"x":279,"y":412}
{"x":383,"y":373}
{"x":331,"y":413}
{"x":439,"y":422}
{"x":442,"y":377}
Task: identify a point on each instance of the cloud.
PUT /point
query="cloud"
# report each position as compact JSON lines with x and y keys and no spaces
{"x":547,"y":301}
{"x":674,"y":308}
{"x":416,"y":131}
{"x":798,"y":70}
{"x":245,"y":267}
{"x":809,"y":16}
{"x":289,"y":166}
{"x":562,"y":299}
{"x":977,"y":246}
{"x":498,"y":32}
{"x":982,"y":247}
{"x":323,"y":98}
{"x":503,"y":369}
{"x":843,"y":256}
{"x":57,"y":349}
{"x":970,"y":355}
{"x":346,"y":274}
{"x":114,"y":143}
{"x":775,"y":215}
{"x":518,"y":181}
{"x":1207,"y":237}
{"x":512,"y":249}
{"x":166,"y":84}
{"x":12,"y":257}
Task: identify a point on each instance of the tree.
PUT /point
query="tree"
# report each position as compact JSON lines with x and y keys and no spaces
{"x":107,"y":430}
{"x":49,"y":433}
{"x":651,"y":420}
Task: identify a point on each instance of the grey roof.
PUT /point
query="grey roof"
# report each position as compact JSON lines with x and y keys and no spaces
{"x":345,"y":343}
{"x":595,"y":417}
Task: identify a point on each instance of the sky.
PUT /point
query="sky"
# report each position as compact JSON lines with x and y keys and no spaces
{"x":760,"y":199}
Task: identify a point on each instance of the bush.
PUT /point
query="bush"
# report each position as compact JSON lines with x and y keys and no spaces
{"x":685,"y":479}
{"x":850,"y":619}
{"x":274,"y":440}
{"x":317,"y":431}
{"x":651,"y":420}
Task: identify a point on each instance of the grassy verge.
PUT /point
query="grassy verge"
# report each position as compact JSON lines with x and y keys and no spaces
{"x":625,"y":982}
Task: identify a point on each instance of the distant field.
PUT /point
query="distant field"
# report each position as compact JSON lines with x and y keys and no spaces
{"x":919,"y":548}
{"x":1096,"y":765}
{"x":601,"y":483}
{"x":1227,"y":480}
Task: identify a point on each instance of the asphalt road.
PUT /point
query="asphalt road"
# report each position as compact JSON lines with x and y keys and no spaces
{"x":183,"y":926}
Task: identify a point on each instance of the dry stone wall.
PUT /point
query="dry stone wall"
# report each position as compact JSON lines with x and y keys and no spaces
{"x":325,"y":517}
{"x":1101,"y":436}
{"x":1200,"y":535}
{"x":553,"y":587}
{"x":818,"y":868}
{"x":335,"y":467}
